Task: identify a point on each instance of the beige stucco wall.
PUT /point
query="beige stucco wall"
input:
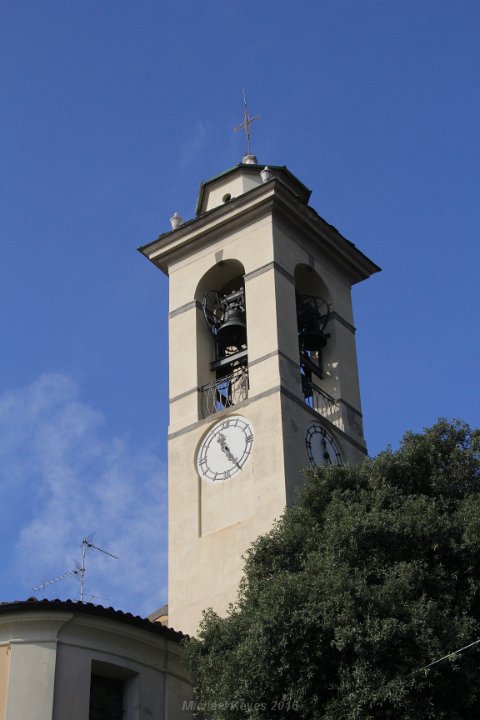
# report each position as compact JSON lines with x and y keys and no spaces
{"x":153,"y":662}
{"x":271,"y":313}
{"x":33,"y":642}
{"x":4,"y":673}
{"x":51,"y":664}
{"x":236,"y":185}
{"x":277,"y":241}
{"x":212,"y":525}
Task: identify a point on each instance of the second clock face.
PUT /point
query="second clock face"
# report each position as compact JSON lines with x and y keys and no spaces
{"x":321,"y":447}
{"x":225,"y":449}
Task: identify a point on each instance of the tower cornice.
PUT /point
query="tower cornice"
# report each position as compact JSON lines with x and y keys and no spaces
{"x":274,"y":198}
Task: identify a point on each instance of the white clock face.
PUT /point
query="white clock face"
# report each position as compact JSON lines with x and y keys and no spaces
{"x":321,"y":447}
{"x":225,"y":449}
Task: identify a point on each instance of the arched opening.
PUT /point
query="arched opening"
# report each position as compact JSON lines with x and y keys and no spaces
{"x":314,"y":315}
{"x":222,"y":356}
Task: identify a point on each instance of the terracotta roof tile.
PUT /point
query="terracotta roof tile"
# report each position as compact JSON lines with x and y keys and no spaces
{"x":33,"y":605}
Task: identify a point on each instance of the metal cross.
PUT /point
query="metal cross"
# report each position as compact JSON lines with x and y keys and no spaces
{"x":247,"y":121}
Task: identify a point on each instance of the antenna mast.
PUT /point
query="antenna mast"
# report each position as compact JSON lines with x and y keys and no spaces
{"x":79,"y":570}
{"x":86,"y":544}
{"x":44,"y":584}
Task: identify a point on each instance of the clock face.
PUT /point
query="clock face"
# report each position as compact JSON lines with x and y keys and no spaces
{"x":225,"y":449}
{"x":321,"y":447}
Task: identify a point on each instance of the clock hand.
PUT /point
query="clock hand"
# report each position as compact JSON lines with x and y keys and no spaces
{"x":326,"y":454}
{"x":221,"y":439}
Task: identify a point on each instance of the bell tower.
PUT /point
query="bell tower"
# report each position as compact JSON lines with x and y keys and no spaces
{"x":263,"y":370}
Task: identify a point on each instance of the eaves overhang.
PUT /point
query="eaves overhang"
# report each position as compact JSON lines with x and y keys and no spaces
{"x":32,"y":605}
{"x":315,"y":229}
{"x":204,"y":229}
{"x":274,"y":197}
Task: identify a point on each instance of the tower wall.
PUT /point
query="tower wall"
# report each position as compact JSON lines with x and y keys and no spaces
{"x":284,"y":250}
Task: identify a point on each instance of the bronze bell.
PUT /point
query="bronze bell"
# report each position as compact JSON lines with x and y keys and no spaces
{"x":232,"y":331}
{"x":312,"y":338}
{"x":313,"y":314}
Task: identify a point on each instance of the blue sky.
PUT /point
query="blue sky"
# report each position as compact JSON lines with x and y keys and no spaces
{"x":112,"y":114}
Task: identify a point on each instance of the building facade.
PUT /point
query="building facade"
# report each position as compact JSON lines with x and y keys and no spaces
{"x":64,"y":660}
{"x":263,"y":371}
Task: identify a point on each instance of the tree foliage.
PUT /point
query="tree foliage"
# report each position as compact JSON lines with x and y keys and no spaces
{"x":372,"y":575}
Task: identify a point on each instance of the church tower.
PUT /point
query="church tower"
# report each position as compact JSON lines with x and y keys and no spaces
{"x":263,"y":370}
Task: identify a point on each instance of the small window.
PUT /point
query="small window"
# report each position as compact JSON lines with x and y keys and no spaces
{"x":106,"y":698}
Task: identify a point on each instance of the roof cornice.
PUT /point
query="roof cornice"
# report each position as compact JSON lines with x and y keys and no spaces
{"x":79,"y":608}
{"x":273,"y":197}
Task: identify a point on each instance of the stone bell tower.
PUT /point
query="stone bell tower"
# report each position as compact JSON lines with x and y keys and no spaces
{"x":263,"y":370}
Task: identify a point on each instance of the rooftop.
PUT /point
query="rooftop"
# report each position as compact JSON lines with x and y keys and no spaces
{"x":79,"y":608}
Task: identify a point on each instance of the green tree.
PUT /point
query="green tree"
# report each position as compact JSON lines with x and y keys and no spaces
{"x":372,"y":575}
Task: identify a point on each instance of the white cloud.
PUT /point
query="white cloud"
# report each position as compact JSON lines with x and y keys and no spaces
{"x":196,"y":145}
{"x":69,"y":477}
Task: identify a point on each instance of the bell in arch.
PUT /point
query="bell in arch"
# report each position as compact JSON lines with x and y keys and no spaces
{"x":313,"y":314}
{"x":232,"y":328}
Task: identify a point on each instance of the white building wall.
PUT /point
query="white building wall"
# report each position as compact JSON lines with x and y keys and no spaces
{"x":53,"y":654}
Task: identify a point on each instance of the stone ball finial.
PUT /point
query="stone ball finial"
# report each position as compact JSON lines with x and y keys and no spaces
{"x":175,"y":221}
{"x":266,"y":174}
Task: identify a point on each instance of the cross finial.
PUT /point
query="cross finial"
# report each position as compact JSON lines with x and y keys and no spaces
{"x":247,"y":121}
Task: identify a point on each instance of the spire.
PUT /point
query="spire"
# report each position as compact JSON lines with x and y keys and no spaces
{"x":249,"y":159}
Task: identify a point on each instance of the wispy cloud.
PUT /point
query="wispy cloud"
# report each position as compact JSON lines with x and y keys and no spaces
{"x":196,"y":145}
{"x":63,"y":476}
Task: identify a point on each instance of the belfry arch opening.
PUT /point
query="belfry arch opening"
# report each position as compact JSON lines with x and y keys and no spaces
{"x":222,"y":337}
{"x":314,"y":314}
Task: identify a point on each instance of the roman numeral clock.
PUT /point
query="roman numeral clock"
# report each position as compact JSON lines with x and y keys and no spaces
{"x":262,"y":370}
{"x":225,"y":449}
{"x":321,"y":446}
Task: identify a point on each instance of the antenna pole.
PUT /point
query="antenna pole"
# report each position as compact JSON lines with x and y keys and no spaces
{"x":82,"y":570}
{"x":79,"y":570}
{"x":86,"y":544}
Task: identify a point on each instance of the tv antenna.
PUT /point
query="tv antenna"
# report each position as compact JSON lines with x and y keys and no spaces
{"x":80,"y":568}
